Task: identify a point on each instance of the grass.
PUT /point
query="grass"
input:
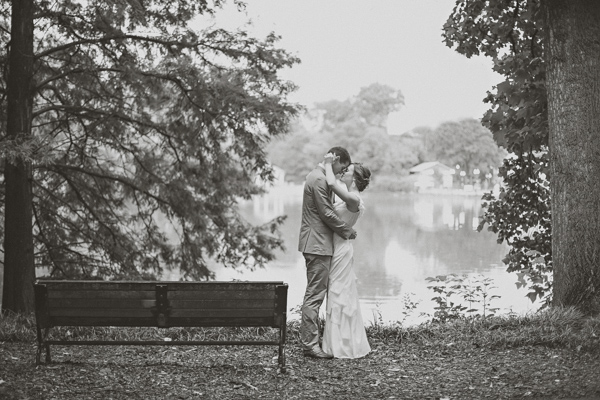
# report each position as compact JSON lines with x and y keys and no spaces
{"x":561,"y":327}
{"x":550,"y":354}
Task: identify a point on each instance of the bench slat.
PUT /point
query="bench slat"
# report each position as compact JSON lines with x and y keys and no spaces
{"x":222,"y":313}
{"x":212,"y":304}
{"x":185,"y":295}
{"x":221,"y":294}
{"x":118,"y":304}
{"x":67,"y":303}
{"x":175,"y":313}
{"x":172,"y":322}
{"x":102,"y":321}
{"x":100,"y":294}
{"x":149,"y":286}
{"x":207,"y":322}
{"x":220,"y":286}
{"x":101,"y":312}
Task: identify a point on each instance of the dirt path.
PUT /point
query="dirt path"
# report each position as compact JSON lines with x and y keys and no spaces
{"x":393,"y":370}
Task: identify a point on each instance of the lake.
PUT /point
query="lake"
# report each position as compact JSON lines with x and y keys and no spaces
{"x":402,"y":240}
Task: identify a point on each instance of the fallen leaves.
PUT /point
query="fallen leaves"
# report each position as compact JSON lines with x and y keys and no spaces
{"x":239,"y":384}
{"x":393,"y":371}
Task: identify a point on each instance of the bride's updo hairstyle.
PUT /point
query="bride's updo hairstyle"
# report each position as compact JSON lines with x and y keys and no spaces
{"x":362,"y":176}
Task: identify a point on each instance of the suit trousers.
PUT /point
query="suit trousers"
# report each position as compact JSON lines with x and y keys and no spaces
{"x":317,"y":276}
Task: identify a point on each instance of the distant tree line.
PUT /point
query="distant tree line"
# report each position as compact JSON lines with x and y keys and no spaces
{"x":360,"y":125}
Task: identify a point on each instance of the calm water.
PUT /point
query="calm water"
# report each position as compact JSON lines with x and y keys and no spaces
{"x":402,"y":240}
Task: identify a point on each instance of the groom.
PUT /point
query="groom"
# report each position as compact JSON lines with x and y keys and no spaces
{"x":319,"y":222}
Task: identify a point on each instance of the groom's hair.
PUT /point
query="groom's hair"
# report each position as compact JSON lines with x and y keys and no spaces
{"x":342,"y":153}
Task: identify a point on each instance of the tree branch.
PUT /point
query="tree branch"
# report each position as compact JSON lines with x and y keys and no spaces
{"x":107,"y":177}
{"x":109,"y":38}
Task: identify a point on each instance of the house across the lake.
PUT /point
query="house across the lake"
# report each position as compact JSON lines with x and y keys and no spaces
{"x":432,"y":175}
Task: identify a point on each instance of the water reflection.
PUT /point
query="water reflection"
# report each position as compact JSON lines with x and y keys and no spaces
{"x":401,"y":241}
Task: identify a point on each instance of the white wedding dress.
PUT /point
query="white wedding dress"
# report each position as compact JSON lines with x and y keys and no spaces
{"x":344,"y":335}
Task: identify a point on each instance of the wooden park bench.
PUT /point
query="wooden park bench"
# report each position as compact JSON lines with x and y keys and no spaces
{"x":159,"y":304}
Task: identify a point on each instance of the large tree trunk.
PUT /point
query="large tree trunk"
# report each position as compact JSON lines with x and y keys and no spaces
{"x":573,"y":82}
{"x":19,"y":270}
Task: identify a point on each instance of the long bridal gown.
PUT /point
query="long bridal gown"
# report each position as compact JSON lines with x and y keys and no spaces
{"x":344,"y":335}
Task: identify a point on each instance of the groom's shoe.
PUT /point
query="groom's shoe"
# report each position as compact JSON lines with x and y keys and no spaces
{"x":316,"y":354}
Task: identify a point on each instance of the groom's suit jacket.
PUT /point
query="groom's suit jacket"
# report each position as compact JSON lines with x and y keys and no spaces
{"x":319,"y":219}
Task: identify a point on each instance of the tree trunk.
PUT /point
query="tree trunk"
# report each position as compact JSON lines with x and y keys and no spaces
{"x":19,"y":270}
{"x":573,"y":83}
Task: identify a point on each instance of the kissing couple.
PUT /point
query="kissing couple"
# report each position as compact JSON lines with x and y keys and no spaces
{"x":326,"y":236}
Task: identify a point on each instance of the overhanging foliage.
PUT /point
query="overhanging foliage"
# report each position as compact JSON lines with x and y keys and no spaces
{"x":146,"y":132}
{"x":510,"y":33}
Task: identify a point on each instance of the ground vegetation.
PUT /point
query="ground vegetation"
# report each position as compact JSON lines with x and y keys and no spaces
{"x":551,"y":355}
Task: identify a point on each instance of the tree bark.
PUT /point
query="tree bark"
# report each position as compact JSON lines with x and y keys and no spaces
{"x":572,"y":54}
{"x":19,"y":270}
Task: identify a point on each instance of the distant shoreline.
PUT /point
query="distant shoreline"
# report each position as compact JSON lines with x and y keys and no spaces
{"x":291,"y":189}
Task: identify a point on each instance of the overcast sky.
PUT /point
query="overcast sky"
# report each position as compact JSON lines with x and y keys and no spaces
{"x":345,"y":45}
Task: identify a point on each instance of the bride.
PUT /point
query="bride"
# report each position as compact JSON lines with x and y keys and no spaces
{"x":344,"y":335}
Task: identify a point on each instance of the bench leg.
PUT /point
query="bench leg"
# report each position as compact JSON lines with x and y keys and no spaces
{"x":281,"y":358}
{"x":38,"y":355}
{"x":48,"y":360}
{"x":282,"y":361}
{"x":46,"y":345}
{"x":40,"y":346}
